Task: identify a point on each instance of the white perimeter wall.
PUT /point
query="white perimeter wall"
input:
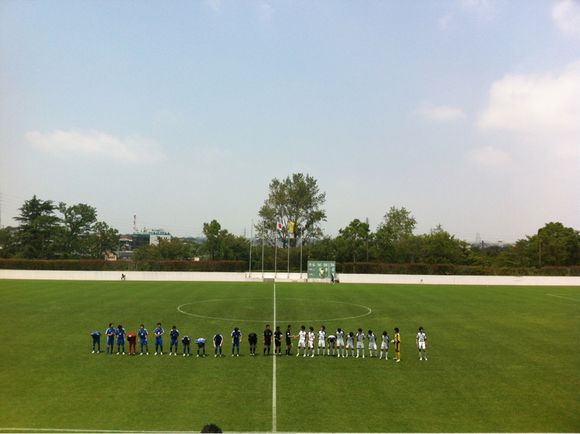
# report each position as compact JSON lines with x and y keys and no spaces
{"x":292,"y":277}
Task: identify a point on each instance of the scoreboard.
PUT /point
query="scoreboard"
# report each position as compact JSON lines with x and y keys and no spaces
{"x":325,"y":270}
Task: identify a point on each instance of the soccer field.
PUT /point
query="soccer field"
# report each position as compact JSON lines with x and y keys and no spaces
{"x":501,"y":359}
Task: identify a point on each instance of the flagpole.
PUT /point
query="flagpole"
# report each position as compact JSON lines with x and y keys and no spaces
{"x":251,"y":234}
{"x":300,"y":256}
{"x":276,"y":254}
{"x":288,"y":247}
{"x":262,"y":256}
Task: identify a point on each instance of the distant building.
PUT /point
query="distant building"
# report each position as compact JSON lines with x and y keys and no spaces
{"x":129,"y":243}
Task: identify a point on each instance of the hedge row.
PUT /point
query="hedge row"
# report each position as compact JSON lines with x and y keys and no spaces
{"x":101,"y":265}
{"x":241,"y":266}
{"x":450,"y":269}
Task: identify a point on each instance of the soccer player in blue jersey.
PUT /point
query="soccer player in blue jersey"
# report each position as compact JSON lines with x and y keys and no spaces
{"x":120,"y":339}
{"x":218,"y":341}
{"x":110,"y":332}
{"x":174,"y":333}
{"x":236,"y":339}
{"x":158,"y":332}
{"x":96,"y":335}
{"x":142,"y":333}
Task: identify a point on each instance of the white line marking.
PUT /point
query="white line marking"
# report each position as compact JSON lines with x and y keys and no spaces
{"x":184,"y":312}
{"x":71,"y":430}
{"x":274,"y":409}
{"x":565,"y":298}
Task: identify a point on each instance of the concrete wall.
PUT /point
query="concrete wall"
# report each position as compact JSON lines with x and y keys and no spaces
{"x":292,"y":277}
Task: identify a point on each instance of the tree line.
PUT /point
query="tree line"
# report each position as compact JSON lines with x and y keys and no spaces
{"x":289,"y":220}
{"x":48,"y":230}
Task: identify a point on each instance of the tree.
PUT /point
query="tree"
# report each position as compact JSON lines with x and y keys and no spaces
{"x":101,"y":240}
{"x":211,"y":231}
{"x":77,"y":224}
{"x":296,"y":199}
{"x":353,"y":241}
{"x":554,"y":244}
{"x":38,"y":229}
{"x":440,"y":247}
{"x":398,"y":224}
{"x":7,"y":242}
{"x":167,"y":250}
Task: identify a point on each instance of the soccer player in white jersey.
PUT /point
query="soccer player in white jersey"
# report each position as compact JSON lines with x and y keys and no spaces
{"x":321,"y":340}
{"x":340,"y":342}
{"x":311,"y":337}
{"x":360,"y":343}
{"x":384,"y":345}
{"x":422,"y":344}
{"x":331,"y":345}
{"x":301,"y":341}
{"x":372,"y":344}
{"x":350,"y":344}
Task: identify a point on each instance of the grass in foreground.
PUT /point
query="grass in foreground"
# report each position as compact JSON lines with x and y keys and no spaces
{"x":500,"y":359}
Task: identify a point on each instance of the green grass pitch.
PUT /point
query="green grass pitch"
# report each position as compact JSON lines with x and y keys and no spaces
{"x":501,"y":359}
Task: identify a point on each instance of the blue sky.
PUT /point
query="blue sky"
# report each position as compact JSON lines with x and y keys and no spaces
{"x":466,"y":112}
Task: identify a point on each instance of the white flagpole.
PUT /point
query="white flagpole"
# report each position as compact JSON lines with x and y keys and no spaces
{"x":251,"y":241}
{"x":288,"y":247}
{"x":301,"y":256}
{"x":276,"y":253}
{"x":262,"y":256}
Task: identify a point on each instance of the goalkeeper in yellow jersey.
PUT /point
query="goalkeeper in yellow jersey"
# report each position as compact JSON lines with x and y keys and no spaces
{"x":397,"y":343}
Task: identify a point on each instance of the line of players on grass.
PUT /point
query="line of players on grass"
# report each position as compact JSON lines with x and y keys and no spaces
{"x":340,"y":344}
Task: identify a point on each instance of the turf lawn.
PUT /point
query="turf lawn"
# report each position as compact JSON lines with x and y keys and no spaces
{"x":501,"y":359}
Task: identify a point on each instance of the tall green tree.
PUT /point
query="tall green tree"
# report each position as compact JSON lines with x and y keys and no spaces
{"x":353,"y":241}
{"x":212,"y":232}
{"x":102,"y":239}
{"x":553,"y":244}
{"x":77,"y":225}
{"x":8,"y":242}
{"x":397,"y":225}
{"x":440,"y":247}
{"x":295,"y":200}
{"x":38,"y":230}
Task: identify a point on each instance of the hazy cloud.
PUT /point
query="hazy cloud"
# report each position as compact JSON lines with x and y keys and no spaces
{"x":444,"y":22}
{"x":441,"y":113}
{"x":265,"y":11}
{"x":483,"y":8}
{"x":541,"y":112}
{"x":532,"y":103}
{"x":214,"y":5}
{"x":95,"y":144}
{"x":489,"y":156}
{"x":566,"y":14}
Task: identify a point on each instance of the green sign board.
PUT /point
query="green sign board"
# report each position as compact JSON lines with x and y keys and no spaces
{"x":321,"y":269}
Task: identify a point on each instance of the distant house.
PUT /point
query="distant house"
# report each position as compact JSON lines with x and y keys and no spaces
{"x":129,"y":243}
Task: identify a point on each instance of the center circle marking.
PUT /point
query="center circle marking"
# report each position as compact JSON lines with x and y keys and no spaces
{"x":180,"y":309}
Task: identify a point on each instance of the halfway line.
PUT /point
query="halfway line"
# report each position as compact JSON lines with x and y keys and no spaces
{"x":274,"y":427}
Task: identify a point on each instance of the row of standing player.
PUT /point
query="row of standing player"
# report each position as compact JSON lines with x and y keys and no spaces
{"x":119,"y":334}
{"x":339,"y":344}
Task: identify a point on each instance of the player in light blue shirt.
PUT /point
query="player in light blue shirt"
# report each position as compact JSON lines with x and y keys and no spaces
{"x":174,"y":333}
{"x":158,"y":332}
{"x":200,"y":347}
{"x":120,"y":339}
{"x":110,"y":332}
{"x":142,"y":333}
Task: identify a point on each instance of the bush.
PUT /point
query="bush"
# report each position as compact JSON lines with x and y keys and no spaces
{"x":241,"y":266}
{"x":101,"y":265}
